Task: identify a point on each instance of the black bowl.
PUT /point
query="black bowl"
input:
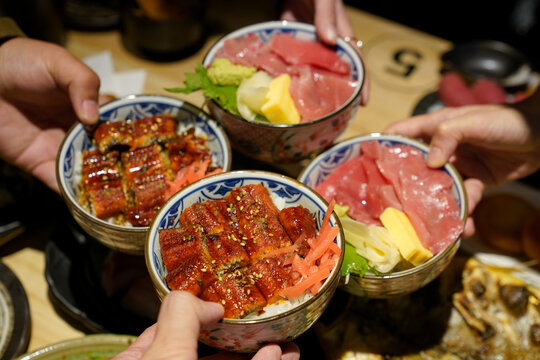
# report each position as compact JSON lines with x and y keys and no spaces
{"x":489,"y":59}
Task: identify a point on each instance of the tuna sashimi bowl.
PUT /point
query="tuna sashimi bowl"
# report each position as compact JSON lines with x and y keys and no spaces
{"x":402,"y":220}
{"x":280,"y":93}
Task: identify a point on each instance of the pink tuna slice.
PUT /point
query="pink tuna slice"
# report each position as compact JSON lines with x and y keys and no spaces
{"x":347,"y":184}
{"x":397,"y":177}
{"x":301,"y":52}
{"x":425,"y":196}
{"x":310,"y":103}
{"x":241,"y":51}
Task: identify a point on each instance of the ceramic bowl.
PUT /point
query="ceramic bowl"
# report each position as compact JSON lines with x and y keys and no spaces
{"x":286,"y":143}
{"x":103,"y":346}
{"x":129,"y":239}
{"x":400,"y":282}
{"x":243,"y":335}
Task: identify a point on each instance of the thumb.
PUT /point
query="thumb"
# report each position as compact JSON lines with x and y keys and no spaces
{"x":80,"y":82}
{"x":482,"y":126}
{"x":179,"y":322}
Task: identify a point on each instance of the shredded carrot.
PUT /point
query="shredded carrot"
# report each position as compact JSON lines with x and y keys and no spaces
{"x":322,"y":245}
{"x":189,"y":174}
{"x":334,"y":248}
{"x":306,"y":283}
{"x":300,"y":266}
{"x":315,"y":288}
{"x":321,"y":258}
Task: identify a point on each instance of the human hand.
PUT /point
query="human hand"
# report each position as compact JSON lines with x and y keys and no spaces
{"x":170,"y":338}
{"x":330,"y":20}
{"x":488,"y":144}
{"x":43,"y":90}
{"x":328,"y":16}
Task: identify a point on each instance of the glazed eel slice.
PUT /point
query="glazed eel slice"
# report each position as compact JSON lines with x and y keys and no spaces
{"x":102,"y":183}
{"x":300,"y":226}
{"x":257,"y":221}
{"x":113,"y":134}
{"x":221,"y":240}
{"x":153,"y":129}
{"x":271,"y":276}
{"x":237,"y":293}
{"x":146,"y":178}
{"x":135,"y":134}
{"x":187,"y":262}
{"x":187,"y":149}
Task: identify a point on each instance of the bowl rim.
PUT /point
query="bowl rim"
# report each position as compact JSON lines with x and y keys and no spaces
{"x":78,"y":127}
{"x":101,"y":341}
{"x":450,"y":169}
{"x":334,"y":275}
{"x":294,"y":25}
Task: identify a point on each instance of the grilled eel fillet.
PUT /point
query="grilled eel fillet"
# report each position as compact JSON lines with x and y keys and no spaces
{"x":222,"y":250}
{"x":132,"y":184}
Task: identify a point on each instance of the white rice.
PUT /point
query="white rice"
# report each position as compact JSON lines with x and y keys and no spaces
{"x":279,"y":307}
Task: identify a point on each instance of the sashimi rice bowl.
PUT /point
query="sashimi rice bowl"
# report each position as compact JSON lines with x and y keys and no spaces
{"x":266,"y":247}
{"x":280,"y":93}
{"x":402,"y":220}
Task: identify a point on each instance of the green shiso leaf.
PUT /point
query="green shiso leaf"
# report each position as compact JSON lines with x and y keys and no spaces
{"x":199,"y":80}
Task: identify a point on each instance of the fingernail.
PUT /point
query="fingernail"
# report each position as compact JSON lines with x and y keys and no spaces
{"x":435,"y":157}
{"x":331,"y":33}
{"x":90,"y":110}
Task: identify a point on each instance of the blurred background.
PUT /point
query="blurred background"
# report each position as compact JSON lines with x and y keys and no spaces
{"x":513,"y":21}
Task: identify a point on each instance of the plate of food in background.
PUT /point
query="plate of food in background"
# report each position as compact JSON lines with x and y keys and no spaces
{"x":480,"y":72}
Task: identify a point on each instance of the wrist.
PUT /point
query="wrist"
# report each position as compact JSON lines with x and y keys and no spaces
{"x":9,"y":29}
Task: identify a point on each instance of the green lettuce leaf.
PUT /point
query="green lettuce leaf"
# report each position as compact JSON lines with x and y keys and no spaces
{"x":224,"y":95}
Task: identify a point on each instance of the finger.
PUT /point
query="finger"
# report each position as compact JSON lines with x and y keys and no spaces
{"x":364,"y":93}
{"x":343,"y":24}
{"x":298,"y":10}
{"x":325,"y":20}
{"x":290,"y":351}
{"x":446,"y":128}
{"x":179,"y":322}
{"x":467,"y":127}
{"x":469,"y":229}
{"x":475,"y":189}
{"x":268,"y":352}
{"x":420,"y":125}
{"x":139,"y":346}
{"x":79,"y":81}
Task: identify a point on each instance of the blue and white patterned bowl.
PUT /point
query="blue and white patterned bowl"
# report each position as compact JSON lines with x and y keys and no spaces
{"x":401,"y":282}
{"x":126,"y":238}
{"x":243,"y":335}
{"x":286,"y":143}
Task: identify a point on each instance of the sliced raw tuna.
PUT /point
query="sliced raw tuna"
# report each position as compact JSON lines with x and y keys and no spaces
{"x":301,"y":52}
{"x":453,"y":91}
{"x":397,"y":177}
{"x":310,"y":103}
{"x":488,"y":91}
{"x":425,"y":196}
{"x":242,"y":51}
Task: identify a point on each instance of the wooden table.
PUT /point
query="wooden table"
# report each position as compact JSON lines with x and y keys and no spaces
{"x":402,"y":63}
